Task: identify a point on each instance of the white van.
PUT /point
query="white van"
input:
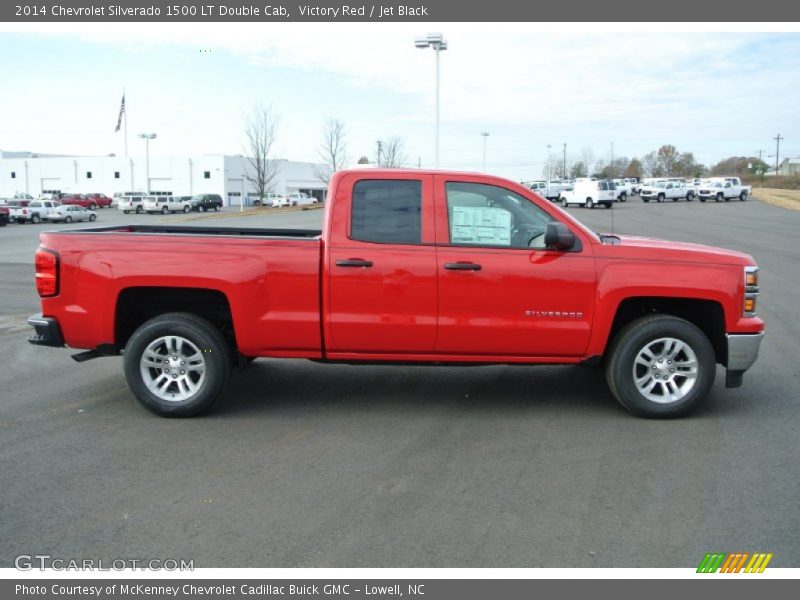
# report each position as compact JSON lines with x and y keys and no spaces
{"x":589,"y":194}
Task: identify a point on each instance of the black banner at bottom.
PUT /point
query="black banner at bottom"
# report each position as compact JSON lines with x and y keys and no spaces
{"x":732,"y":587}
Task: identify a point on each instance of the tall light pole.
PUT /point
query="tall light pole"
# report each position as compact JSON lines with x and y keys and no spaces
{"x":438,"y":43}
{"x":484,"y":135}
{"x":147,"y":137}
{"x":565,"y":160}
{"x":777,"y":139}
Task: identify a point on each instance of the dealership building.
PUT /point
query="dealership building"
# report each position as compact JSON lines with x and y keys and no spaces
{"x":32,"y":173}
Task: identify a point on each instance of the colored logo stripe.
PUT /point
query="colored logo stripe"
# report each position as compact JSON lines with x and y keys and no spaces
{"x":734,"y":562}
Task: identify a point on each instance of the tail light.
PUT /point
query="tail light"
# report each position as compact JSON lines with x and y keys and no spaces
{"x":46,"y":263}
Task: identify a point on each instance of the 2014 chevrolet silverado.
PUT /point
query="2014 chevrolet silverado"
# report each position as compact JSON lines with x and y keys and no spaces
{"x":410,"y":267}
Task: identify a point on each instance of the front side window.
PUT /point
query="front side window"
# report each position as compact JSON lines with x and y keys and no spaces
{"x":387,"y":211}
{"x":487,"y":215}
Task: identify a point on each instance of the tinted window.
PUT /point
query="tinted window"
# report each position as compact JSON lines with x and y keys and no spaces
{"x":387,"y":211}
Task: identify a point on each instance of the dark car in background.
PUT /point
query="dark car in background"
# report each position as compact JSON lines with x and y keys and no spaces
{"x":5,"y":216}
{"x":206,"y":202}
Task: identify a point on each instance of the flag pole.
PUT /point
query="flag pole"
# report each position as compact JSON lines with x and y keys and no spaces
{"x":126,"y":125}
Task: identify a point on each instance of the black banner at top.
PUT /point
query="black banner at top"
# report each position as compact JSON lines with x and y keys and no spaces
{"x":272,"y":11}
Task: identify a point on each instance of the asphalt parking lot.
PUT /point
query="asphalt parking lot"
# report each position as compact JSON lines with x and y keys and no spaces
{"x":304,"y":465}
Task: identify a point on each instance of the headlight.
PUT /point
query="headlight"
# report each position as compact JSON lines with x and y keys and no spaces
{"x":751,"y":291}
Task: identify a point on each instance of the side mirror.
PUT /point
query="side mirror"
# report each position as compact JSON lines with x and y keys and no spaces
{"x":558,"y":236}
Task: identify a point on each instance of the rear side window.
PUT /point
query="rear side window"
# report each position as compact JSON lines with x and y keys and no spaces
{"x":387,"y":211}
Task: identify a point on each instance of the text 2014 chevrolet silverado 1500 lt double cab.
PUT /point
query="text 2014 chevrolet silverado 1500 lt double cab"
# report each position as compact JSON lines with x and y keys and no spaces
{"x":410,"y":267}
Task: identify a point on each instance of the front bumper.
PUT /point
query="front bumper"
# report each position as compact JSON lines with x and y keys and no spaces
{"x":46,"y":332}
{"x":742,"y":353}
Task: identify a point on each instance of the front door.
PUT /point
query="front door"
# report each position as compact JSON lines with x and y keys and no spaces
{"x":501,"y":292}
{"x":381,"y":279}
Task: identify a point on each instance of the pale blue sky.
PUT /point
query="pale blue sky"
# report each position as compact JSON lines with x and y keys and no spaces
{"x":716,"y":94}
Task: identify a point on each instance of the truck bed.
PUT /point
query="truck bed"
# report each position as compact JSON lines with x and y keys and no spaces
{"x":193,"y":230}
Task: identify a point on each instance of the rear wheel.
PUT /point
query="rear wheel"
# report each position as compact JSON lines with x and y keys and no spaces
{"x":35,"y":218}
{"x":216,"y":207}
{"x":623,"y":197}
{"x":564,"y":202}
{"x":67,"y":219}
{"x":186,"y":208}
{"x":660,"y":366}
{"x":743,"y":196}
{"x":92,"y":218}
{"x":720,"y":197}
{"x":139,"y":210}
{"x":689,"y":197}
{"x":177,"y":364}
{"x":164,"y":210}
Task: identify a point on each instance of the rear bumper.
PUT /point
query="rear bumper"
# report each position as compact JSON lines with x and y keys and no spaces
{"x":742,"y":353}
{"x":46,"y":332}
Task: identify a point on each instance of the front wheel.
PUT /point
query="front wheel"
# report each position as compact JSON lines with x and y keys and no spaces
{"x":689,"y":197}
{"x":186,"y":209}
{"x":743,"y":196}
{"x":139,"y":210}
{"x":67,"y":219}
{"x":660,"y":366}
{"x":216,"y":208}
{"x":164,"y":210}
{"x":623,"y":197}
{"x":177,"y":364}
{"x":92,"y":218}
{"x":589,"y":203}
{"x":564,"y":202}
{"x":35,"y":218}
{"x":720,"y":198}
{"x":660,"y":198}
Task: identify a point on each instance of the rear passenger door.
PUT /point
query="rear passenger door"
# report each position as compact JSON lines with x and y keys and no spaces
{"x":381,"y":266}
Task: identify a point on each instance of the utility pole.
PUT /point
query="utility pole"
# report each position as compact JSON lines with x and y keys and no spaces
{"x":564,"y":171}
{"x":549,"y":166}
{"x":777,"y":139}
{"x":484,"y":135}
{"x":612,"y":161}
{"x":380,"y":145}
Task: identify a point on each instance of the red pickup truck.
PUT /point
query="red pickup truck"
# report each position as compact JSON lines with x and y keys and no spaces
{"x":410,"y":267}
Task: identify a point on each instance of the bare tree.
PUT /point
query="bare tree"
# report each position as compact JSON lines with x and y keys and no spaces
{"x":392,"y":153}
{"x":261,"y":128}
{"x":587,"y":158}
{"x":652,"y":166}
{"x":333,"y":150}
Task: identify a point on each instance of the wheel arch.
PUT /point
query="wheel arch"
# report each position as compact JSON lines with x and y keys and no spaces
{"x":136,"y":305}
{"x":706,"y":315}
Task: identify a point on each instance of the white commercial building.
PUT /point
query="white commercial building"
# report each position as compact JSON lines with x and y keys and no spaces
{"x":32,"y":173}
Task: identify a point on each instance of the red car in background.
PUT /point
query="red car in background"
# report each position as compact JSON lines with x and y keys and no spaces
{"x":5,"y":216}
{"x":101,"y":200}
{"x":90,"y":201}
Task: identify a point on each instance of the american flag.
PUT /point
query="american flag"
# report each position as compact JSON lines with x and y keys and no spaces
{"x":121,"y":113}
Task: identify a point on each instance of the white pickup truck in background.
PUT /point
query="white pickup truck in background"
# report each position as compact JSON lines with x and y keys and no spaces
{"x":664,"y":189}
{"x":34,"y":211}
{"x":724,"y":188}
{"x":623,"y":188}
{"x":547,"y":189}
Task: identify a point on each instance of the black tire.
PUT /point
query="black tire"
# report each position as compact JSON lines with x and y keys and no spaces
{"x":35,"y":218}
{"x":608,"y":204}
{"x":720,"y":197}
{"x":204,"y":336}
{"x":139,"y":210}
{"x":620,"y":365}
{"x":589,"y":203}
{"x":3,"y":221}
{"x":689,"y":197}
{"x":164,"y":210}
{"x":67,"y":219}
{"x":186,"y":208}
{"x":216,"y":207}
{"x":743,"y":196}
{"x":660,"y":198}
{"x":623,"y":197}
{"x":645,"y":200}
{"x":92,"y":218}
{"x":564,"y":202}
{"x":125,"y":211}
